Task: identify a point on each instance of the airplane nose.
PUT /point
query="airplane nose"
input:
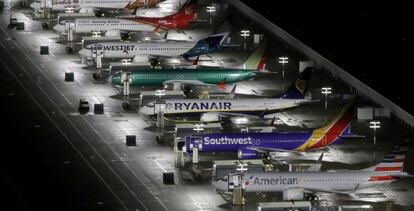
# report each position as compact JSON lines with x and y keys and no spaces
{"x":85,"y":53}
{"x":221,"y":185}
{"x":59,"y":28}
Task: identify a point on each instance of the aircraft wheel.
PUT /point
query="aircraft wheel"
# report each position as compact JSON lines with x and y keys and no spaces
{"x":313,"y":198}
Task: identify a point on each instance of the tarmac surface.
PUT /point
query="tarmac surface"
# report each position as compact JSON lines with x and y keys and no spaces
{"x":53,"y":157}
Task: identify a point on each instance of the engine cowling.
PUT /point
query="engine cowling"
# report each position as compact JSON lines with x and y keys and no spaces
{"x":210,"y":117}
{"x":247,"y":154}
{"x":293,"y":194}
{"x":173,"y":86}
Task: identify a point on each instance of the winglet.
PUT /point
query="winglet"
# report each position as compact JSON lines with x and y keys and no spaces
{"x":195,"y":62}
{"x":317,"y":166}
{"x":272,"y":122}
{"x":320,"y":158}
{"x":232,"y":93}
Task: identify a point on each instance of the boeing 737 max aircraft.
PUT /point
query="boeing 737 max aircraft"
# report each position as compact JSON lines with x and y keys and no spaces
{"x":294,"y":185}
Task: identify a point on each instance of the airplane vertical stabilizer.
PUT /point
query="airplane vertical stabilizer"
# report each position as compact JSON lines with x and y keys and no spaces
{"x":392,"y":162}
{"x":332,"y":132}
{"x":298,"y":89}
{"x":256,"y":60}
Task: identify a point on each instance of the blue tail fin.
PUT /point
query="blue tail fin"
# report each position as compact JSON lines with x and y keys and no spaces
{"x":206,"y":45}
{"x":298,"y":89}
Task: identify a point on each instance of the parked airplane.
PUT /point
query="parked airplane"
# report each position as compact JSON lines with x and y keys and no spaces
{"x":295,"y":185}
{"x":114,"y":26}
{"x":155,"y":50}
{"x":55,"y":5}
{"x":212,"y":110}
{"x":85,"y":6}
{"x":255,"y":145}
{"x":163,"y":9}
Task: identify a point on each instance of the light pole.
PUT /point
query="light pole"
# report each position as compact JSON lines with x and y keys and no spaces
{"x":239,"y":184}
{"x":241,"y":167}
{"x":326,"y":91}
{"x":283,"y":60}
{"x":245,"y":34}
{"x":198,"y":128}
{"x":211,"y":9}
{"x":159,"y":93}
{"x":197,"y":142}
{"x":375,"y":125}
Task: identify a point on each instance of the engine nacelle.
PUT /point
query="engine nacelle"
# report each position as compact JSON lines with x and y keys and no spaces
{"x":173,"y":86}
{"x":210,"y":117}
{"x":247,"y":154}
{"x":293,"y":194}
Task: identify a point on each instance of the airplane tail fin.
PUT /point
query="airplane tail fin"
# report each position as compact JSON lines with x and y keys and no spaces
{"x":392,"y":162}
{"x":298,"y":89}
{"x":256,"y":60}
{"x":206,"y":45}
{"x":215,"y":40}
{"x":335,"y":130}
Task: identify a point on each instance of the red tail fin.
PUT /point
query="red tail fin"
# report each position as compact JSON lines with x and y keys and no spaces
{"x":262,"y":65}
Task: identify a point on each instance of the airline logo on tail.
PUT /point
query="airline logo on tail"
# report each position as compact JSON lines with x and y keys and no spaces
{"x":301,"y":85}
{"x":391,"y":163}
{"x":332,"y":132}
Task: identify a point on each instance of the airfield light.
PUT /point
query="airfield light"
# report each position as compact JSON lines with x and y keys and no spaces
{"x":326,"y":91}
{"x":126,"y":61}
{"x":241,"y":167}
{"x":210,"y":10}
{"x":283,"y":60}
{"x":96,"y":34}
{"x":69,"y":10}
{"x":159,"y":93}
{"x":375,"y":125}
{"x":198,"y":127}
{"x":245,"y":34}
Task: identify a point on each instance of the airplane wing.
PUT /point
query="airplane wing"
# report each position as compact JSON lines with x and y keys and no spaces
{"x":313,"y":190}
{"x":269,"y":149}
{"x":189,"y":83}
{"x":113,"y":33}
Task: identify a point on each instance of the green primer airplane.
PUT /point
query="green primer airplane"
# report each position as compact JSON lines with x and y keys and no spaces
{"x":196,"y":76}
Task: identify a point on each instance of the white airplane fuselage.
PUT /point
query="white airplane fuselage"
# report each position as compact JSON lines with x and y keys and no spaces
{"x":105,"y":4}
{"x":346,"y":181}
{"x":87,"y":25}
{"x":55,"y":5}
{"x":130,"y":50}
{"x":184,"y":106}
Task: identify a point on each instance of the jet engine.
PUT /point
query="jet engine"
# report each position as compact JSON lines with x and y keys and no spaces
{"x":173,"y":86}
{"x":210,"y":117}
{"x":247,"y":154}
{"x":293,"y":194}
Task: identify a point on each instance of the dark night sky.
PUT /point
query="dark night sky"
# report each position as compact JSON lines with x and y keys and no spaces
{"x":371,"y":41}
